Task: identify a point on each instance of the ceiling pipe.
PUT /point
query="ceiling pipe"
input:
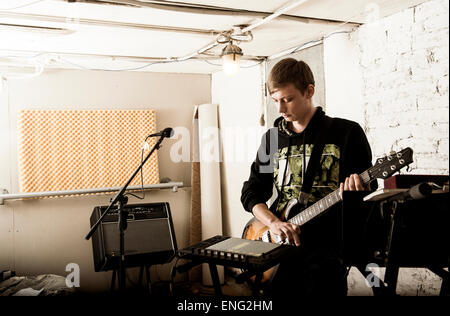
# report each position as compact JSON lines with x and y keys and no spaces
{"x":92,"y":22}
{"x":37,"y":28}
{"x":287,"y":7}
{"x":208,"y":9}
{"x":121,"y":57}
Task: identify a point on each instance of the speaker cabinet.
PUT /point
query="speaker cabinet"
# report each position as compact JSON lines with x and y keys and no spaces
{"x":149,"y":237}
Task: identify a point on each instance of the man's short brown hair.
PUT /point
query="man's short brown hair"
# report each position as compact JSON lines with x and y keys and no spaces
{"x":290,"y":70}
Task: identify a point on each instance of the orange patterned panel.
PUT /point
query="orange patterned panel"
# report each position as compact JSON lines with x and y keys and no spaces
{"x":80,"y":149}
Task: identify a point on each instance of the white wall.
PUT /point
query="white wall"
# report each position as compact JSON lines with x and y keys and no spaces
{"x":343,"y":78}
{"x":240,"y":102}
{"x":42,"y":236}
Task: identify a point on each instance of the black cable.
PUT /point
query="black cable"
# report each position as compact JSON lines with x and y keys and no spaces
{"x":129,"y":279}
{"x":297,"y":48}
{"x":22,"y":6}
{"x":124,"y":69}
{"x":142,"y":176}
{"x":208,"y":62}
{"x":220,"y":65}
{"x":173,"y":272}
{"x":259,"y":63}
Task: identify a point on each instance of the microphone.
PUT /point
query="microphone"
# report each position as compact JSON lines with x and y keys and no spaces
{"x":167,"y":132}
{"x":417,"y":192}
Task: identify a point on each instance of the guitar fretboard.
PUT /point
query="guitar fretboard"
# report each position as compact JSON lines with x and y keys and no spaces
{"x":325,"y":203}
{"x":317,"y":208}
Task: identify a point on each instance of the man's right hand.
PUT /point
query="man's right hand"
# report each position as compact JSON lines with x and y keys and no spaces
{"x":286,"y":231}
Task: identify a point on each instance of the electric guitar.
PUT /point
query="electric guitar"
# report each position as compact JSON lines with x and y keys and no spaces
{"x":383,"y":168}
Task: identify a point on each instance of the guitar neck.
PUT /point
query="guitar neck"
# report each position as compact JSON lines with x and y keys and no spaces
{"x":325,"y":203}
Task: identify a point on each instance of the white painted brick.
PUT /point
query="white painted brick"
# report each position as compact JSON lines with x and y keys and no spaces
{"x":432,"y":100}
{"x":412,"y":118}
{"x":431,"y":161}
{"x":430,"y":116}
{"x":402,"y":102}
{"x":405,"y":85}
{"x":431,"y":130}
{"x":436,"y":11}
{"x":430,"y":58}
{"x":423,"y":40}
{"x":399,"y":21}
{"x":422,"y":145}
{"x":421,"y":62}
{"x":442,"y":86}
{"x":434,"y":23}
{"x":399,"y":41}
{"x":441,"y":129}
{"x":429,"y":171}
{"x":443,"y":147}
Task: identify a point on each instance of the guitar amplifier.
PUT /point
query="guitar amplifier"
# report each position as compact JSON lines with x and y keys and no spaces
{"x":149,"y":237}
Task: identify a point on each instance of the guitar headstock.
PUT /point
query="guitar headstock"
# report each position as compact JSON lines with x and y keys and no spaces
{"x":387,"y":166}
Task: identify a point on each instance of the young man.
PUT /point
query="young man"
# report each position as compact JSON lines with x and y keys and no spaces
{"x":317,"y":268}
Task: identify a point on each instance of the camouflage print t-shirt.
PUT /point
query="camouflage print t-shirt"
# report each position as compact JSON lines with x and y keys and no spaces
{"x":326,"y":180}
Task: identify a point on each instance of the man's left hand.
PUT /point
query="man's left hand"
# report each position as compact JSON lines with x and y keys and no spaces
{"x":352,"y":183}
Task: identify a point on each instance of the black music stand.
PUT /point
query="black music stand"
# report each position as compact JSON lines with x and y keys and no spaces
{"x":121,"y":200}
{"x":395,"y":234}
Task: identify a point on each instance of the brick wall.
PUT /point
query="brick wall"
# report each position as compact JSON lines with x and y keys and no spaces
{"x":404,"y":64}
{"x":404,"y":60}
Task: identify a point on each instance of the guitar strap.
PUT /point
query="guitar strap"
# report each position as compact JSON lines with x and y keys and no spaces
{"x":314,"y":160}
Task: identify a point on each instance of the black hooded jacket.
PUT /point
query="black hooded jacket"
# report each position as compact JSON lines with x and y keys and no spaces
{"x":279,"y":164}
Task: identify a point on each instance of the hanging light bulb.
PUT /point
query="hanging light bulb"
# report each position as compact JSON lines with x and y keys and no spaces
{"x":231,"y":56}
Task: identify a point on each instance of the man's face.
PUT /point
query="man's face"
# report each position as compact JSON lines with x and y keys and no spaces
{"x":291,"y":103}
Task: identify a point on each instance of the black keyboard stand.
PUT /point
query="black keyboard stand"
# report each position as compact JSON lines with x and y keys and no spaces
{"x":241,"y":278}
{"x":215,"y":279}
{"x":254,"y":285}
{"x":212,"y":269}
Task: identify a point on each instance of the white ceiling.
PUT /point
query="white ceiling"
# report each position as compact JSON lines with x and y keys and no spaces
{"x":98,"y":35}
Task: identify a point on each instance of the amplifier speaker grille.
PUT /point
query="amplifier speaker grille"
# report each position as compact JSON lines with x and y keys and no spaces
{"x":149,"y":237}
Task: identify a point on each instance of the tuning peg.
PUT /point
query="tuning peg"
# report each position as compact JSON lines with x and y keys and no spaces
{"x":392,"y":153}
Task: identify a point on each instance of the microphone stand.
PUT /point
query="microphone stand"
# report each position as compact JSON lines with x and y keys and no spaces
{"x":121,"y":199}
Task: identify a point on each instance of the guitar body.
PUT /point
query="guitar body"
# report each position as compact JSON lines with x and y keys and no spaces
{"x":254,"y":230}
